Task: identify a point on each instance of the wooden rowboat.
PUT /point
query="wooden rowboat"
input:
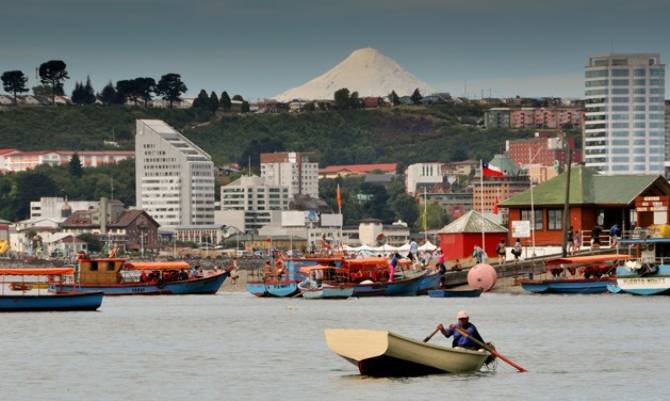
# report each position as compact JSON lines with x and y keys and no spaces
{"x":380,"y":353}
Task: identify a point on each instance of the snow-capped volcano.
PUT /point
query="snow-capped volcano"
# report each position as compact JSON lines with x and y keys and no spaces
{"x":366,"y":71}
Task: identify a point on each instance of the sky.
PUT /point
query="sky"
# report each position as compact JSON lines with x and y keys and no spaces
{"x":259,"y":48}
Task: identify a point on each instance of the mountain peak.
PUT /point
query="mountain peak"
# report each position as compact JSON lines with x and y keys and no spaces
{"x":365,"y":70}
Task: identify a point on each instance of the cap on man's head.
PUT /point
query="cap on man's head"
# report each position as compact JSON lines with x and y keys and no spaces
{"x":462,"y":315}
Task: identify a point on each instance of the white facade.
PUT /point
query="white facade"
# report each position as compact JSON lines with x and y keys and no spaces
{"x":58,"y":208}
{"x":624,"y":129}
{"x":292,"y":170}
{"x":174,"y":178}
{"x":422,"y":173}
{"x":256,"y":198}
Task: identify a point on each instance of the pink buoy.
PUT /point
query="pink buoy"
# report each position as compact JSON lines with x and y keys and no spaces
{"x":482,"y":276}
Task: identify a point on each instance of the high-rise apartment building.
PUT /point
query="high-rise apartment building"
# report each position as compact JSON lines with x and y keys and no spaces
{"x":293,"y":170}
{"x":251,"y":202}
{"x":174,"y":178}
{"x":624,"y":131}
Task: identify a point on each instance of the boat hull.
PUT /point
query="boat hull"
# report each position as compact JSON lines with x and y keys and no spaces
{"x":327,"y":292}
{"x":205,"y":285}
{"x":578,"y":286}
{"x":430,"y":281}
{"x":258,"y":289}
{"x":369,"y":290}
{"x":80,"y":301}
{"x":454,"y":293}
{"x":383,"y":354}
{"x":652,"y":284}
{"x":404,"y":288}
{"x":282,"y":289}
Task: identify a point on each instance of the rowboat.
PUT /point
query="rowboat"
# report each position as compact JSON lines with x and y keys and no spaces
{"x":280,"y":279}
{"x":592,"y":275}
{"x":325,"y":282}
{"x":67,"y":301}
{"x":454,"y":293}
{"x":381,"y":353}
{"x":117,"y":276}
{"x":430,"y":281}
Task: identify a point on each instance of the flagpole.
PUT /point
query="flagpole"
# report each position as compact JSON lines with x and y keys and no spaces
{"x":425,"y":216}
{"x":481,"y":192}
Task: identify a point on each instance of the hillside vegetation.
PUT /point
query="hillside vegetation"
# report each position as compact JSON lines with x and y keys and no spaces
{"x":404,"y":134}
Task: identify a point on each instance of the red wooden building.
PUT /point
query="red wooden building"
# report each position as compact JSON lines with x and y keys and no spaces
{"x":626,"y":200}
{"x":458,"y":238}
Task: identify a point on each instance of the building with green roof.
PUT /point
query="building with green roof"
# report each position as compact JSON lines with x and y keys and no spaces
{"x":594,"y":199}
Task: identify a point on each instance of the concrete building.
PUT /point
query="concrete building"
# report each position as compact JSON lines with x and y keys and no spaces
{"x":174,"y":178}
{"x":251,"y":202}
{"x":422,"y":173}
{"x":497,"y":117}
{"x":372,"y":232}
{"x":455,"y":204}
{"x":58,"y":208}
{"x":624,"y":131}
{"x":293,"y":170}
{"x":546,"y":117}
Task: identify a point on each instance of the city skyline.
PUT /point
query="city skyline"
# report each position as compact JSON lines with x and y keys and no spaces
{"x":260,"y":49}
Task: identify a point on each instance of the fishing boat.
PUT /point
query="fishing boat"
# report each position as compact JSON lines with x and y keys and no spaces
{"x":405,"y":284}
{"x":325,"y":282}
{"x":454,"y":293}
{"x":117,"y":276}
{"x":74,"y":300}
{"x":590,"y":275}
{"x":430,"y":281}
{"x":380,"y":353}
{"x":372,"y":276}
{"x":280,"y":279}
{"x":648,"y":270}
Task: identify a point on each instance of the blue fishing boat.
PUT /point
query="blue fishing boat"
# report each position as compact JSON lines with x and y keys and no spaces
{"x":407,"y":286}
{"x":590,"y":275}
{"x":325,"y":282}
{"x":454,"y":293}
{"x":116,"y":276}
{"x":257,"y":288}
{"x":369,"y":288}
{"x":66,"y":301}
{"x":648,"y":272}
{"x":282,"y":289}
{"x":281,"y":278}
{"x":430,"y":281}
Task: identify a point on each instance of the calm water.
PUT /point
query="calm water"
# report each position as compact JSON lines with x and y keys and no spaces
{"x":233,"y":346}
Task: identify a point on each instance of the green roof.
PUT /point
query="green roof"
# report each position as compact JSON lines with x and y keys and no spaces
{"x":589,"y":188}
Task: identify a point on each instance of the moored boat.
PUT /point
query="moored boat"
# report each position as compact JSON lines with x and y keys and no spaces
{"x":381,"y":353}
{"x":648,"y":272}
{"x":430,"y":281}
{"x":75,"y":300}
{"x":590,"y":275}
{"x":454,"y":293}
{"x":117,"y":276}
{"x":407,"y":285}
{"x":325,"y":282}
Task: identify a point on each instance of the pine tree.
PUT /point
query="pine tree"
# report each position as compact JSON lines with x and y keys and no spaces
{"x":53,"y":73}
{"x":213,"y":102}
{"x":108,"y":94}
{"x":225,"y":101}
{"x":88,"y":93}
{"x":238,"y":97}
{"x":171,"y":87}
{"x":202,"y":101}
{"x":416,"y":96}
{"x":393,"y":97}
{"x":74,"y":166}
{"x":14,"y":82}
{"x":245,"y":106}
{"x":77,"y":93}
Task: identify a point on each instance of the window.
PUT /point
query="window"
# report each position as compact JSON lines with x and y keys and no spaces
{"x":640,"y":72}
{"x":619,"y":73}
{"x":555,"y":217}
{"x":619,"y":82}
{"x":539,"y":221}
{"x":596,"y":74}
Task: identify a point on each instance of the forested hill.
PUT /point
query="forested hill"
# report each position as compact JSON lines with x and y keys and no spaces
{"x":405,"y":134}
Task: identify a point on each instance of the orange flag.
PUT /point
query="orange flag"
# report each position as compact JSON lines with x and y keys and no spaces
{"x":339,"y":197}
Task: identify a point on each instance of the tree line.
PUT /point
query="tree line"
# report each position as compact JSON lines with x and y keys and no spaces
{"x":212,"y":102}
{"x":346,"y":100}
{"x":53,"y":74}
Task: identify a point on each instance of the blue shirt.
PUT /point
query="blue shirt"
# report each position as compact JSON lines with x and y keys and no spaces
{"x":463,"y":341}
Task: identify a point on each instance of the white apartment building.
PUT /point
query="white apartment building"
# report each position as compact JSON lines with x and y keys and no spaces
{"x":293,"y":170}
{"x":58,"y":208}
{"x":624,"y":130}
{"x":174,"y":178}
{"x":251,"y":202}
{"x":422,"y":173}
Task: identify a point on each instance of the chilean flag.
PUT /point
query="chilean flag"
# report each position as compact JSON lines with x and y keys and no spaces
{"x":489,"y":170}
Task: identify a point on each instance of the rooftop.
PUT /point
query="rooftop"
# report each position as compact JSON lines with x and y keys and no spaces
{"x":472,"y":222}
{"x":389,"y":168}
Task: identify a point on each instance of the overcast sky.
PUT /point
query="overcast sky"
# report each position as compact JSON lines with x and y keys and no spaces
{"x":260,"y":48}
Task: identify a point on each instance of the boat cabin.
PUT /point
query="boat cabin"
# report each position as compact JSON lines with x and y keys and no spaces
{"x":100,"y":270}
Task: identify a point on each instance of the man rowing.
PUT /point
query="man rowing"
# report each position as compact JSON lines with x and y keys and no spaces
{"x":459,"y":339}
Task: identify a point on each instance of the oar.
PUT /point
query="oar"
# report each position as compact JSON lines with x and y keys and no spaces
{"x":491,"y":350}
{"x":425,"y":340}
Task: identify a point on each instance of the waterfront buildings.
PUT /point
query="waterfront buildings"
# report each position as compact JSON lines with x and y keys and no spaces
{"x":624,"y":131}
{"x":625,"y":200}
{"x":174,"y":178}
{"x":543,"y":155}
{"x":293,"y":170}
{"x":251,"y":202}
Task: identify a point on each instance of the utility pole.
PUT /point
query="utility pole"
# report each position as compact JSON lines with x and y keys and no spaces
{"x":566,"y":205}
